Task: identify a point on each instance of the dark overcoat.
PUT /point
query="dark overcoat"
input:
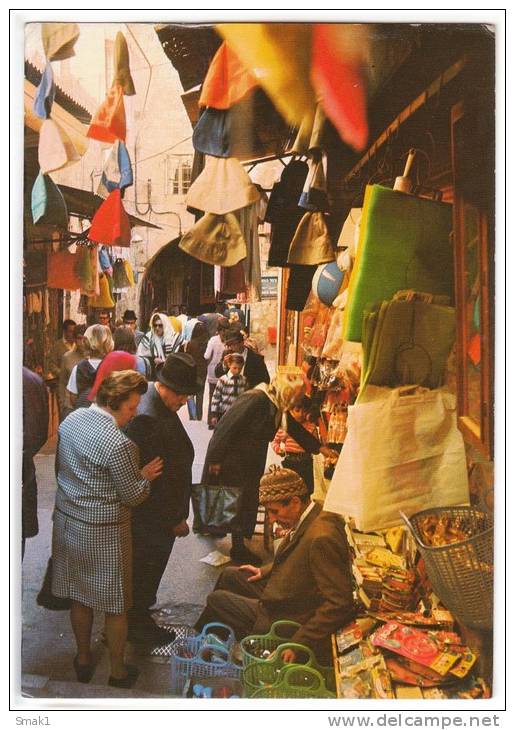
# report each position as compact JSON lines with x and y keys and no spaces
{"x":159,"y":432}
{"x":240,"y":443}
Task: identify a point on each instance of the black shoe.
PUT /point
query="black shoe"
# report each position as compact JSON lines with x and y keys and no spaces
{"x":149,"y":633}
{"x":125,"y":682}
{"x":84,"y":672}
{"x":242,"y":556}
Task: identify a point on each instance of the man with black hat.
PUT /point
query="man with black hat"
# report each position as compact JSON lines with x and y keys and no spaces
{"x":254,"y":368}
{"x":157,"y":430}
{"x":129,"y":318}
{"x":309,"y":580}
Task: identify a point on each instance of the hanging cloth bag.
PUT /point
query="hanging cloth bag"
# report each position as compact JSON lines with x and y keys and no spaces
{"x":59,"y":40}
{"x":48,"y":204}
{"x":62,"y":270}
{"x":122,"y":71}
{"x":403,"y":451}
{"x":129,"y":272}
{"x":314,"y":193}
{"x":311,"y":244}
{"x":223,"y":186}
{"x":109,"y":124}
{"x":120,"y":280}
{"x":45,"y":94}
{"x":110,"y":224}
{"x":55,"y":149}
{"x":227,"y":80}
{"x":212,"y":133}
{"x":104,"y":300}
{"x":404,"y":244}
{"x":216,"y":240}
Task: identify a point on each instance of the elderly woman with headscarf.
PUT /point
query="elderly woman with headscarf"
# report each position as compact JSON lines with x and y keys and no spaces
{"x":160,"y":341}
{"x":236,"y":455}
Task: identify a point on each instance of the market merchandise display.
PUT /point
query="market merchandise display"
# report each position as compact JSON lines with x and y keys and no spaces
{"x":406,"y":643}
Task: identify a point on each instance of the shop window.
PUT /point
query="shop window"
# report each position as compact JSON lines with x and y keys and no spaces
{"x":178,"y":175}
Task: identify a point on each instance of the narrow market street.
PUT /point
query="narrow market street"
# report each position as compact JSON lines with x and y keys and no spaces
{"x":286,"y":233}
{"x":48,"y":643}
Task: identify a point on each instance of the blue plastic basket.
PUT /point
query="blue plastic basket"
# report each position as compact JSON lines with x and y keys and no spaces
{"x":199,"y":657}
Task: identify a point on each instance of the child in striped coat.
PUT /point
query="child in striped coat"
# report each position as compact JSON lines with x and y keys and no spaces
{"x":228,"y":387}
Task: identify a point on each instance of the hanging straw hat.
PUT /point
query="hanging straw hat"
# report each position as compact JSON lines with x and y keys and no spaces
{"x":222,"y":186}
{"x":55,"y":150}
{"x":216,"y":240}
{"x":311,"y":243}
{"x":108,"y":124}
{"x":59,"y":40}
{"x":110,"y":224}
{"x":122,"y":71}
{"x":117,"y":171}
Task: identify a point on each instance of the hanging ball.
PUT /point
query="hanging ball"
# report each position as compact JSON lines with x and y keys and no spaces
{"x":327,"y":282}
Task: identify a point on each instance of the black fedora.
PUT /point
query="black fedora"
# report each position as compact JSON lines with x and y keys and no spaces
{"x":179,"y":373}
{"x":129,"y":315}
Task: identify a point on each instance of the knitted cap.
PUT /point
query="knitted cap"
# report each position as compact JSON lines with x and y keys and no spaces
{"x":281,"y":483}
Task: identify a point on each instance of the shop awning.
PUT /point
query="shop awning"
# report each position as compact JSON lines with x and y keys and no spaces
{"x":84,"y":204}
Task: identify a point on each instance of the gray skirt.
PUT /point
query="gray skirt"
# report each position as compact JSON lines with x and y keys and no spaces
{"x":92,"y":564}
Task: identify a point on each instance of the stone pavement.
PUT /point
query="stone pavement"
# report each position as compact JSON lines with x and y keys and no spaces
{"x":48,"y":645}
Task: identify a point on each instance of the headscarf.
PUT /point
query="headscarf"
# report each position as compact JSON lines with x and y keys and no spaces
{"x":116,"y":360}
{"x":153,"y":346}
{"x":284,"y":390}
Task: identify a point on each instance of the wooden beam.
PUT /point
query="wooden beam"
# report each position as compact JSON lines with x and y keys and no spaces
{"x":407,"y":112}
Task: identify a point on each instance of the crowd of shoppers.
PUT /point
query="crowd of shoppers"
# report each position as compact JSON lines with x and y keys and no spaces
{"x":124,"y":470}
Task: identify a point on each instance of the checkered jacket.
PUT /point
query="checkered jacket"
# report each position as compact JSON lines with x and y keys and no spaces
{"x":97,"y":469}
{"x":224,"y":394}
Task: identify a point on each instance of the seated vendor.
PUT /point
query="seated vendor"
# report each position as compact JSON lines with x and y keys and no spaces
{"x":309,"y":580}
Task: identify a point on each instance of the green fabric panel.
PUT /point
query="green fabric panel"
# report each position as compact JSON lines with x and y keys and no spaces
{"x":412,"y":345}
{"x":404,"y":244}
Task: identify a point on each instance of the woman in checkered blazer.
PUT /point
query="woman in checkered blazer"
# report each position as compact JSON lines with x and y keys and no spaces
{"x":98,"y":481}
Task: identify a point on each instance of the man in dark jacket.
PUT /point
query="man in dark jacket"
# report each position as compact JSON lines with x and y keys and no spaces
{"x":254,"y":368}
{"x":35,"y":432}
{"x":158,"y":431}
{"x":309,"y":580}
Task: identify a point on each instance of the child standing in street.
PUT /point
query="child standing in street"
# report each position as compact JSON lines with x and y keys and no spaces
{"x":228,"y":388}
{"x":294,"y":456}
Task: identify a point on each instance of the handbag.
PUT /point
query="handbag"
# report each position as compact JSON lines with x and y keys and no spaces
{"x":46,"y":598}
{"x":215,"y":506}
